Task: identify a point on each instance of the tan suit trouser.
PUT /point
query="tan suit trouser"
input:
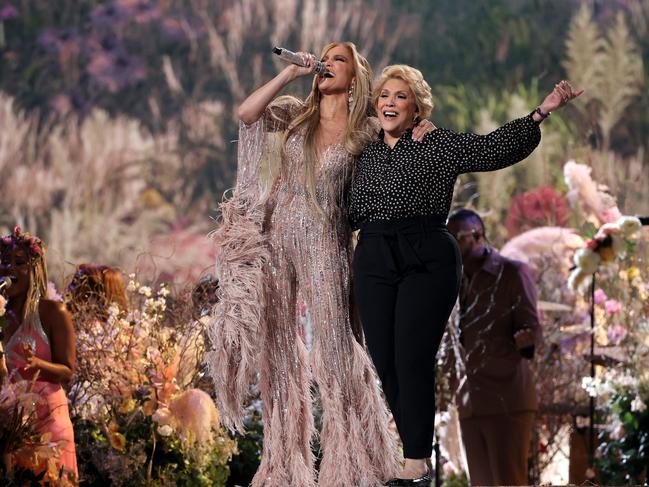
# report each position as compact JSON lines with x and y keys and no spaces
{"x":497,"y":448}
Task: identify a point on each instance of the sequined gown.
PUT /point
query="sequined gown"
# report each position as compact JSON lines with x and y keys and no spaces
{"x":53,"y":414}
{"x":269,"y":252}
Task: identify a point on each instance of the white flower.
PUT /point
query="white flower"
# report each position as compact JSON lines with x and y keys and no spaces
{"x":165,"y":430}
{"x":162,"y":416}
{"x":629,"y":225}
{"x":638,"y":405}
{"x":164,"y":292}
{"x":596,"y":386}
{"x":131,"y":286}
{"x":145,"y":291}
{"x":587,"y":260}
{"x":589,"y":385}
{"x":113,"y":310}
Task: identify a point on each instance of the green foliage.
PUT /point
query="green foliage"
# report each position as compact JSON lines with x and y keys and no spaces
{"x":624,"y":460}
{"x":454,"y":480}
{"x":244,"y":464}
{"x":99,"y":461}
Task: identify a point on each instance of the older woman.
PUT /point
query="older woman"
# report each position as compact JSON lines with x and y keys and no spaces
{"x":285,"y":234}
{"x":39,"y":339}
{"x":407,"y":265}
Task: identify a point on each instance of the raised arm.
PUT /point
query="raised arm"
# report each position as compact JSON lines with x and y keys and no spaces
{"x":513,"y":141}
{"x":252,"y":108}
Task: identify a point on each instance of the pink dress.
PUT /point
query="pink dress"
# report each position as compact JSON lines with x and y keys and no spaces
{"x":53,"y":413}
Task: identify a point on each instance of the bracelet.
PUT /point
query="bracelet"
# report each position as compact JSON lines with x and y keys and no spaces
{"x":541,"y":114}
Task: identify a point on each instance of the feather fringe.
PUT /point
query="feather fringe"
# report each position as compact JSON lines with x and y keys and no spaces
{"x":236,"y":320}
{"x":358,"y":448}
{"x":287,"y":458}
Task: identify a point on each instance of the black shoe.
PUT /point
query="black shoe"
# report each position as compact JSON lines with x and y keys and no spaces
{"x":423,"y":481}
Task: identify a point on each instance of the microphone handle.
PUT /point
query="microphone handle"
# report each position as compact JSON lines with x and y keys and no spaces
{"x":294,"y":58}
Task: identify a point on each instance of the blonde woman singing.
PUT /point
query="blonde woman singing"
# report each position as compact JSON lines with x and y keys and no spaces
{"x":285,"y":233}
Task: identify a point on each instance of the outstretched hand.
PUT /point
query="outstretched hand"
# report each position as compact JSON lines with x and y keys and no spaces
{"x":560,"y":96}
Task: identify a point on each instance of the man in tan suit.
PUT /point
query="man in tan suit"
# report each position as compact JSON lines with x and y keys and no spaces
{"x":499,"y":329}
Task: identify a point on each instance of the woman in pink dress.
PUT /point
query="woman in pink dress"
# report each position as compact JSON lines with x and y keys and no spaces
{"x":39,"y":339}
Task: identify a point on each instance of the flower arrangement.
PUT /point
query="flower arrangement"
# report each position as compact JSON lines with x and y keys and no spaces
{"x":28,"y":457}
{"x":621,"y":307}
{"x":612,"y":241}
{"x":623,"y":452}
{"x":136,"y":421}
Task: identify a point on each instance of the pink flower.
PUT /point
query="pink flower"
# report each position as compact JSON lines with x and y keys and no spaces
{"x":18,"y":230}
{"x":600,"y":296}
{"x":616,"y":333}
{"x":612,"y":307}
{"x":591,"y":243}
{"x":8,"y":12}
{"x":610,"y":215}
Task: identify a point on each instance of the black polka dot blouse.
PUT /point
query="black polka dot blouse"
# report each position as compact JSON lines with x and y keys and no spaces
{"x":417,"y":178}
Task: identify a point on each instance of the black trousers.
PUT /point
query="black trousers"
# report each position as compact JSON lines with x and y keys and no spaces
{"x":406,"y":280}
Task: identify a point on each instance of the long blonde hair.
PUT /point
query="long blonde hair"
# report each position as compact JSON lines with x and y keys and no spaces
{"x":37,"y":287}
{"x":357,"y":132}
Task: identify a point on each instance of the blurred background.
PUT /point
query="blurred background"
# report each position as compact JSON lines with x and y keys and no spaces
{"x":118,"y":140}
{"x":117,"y":118}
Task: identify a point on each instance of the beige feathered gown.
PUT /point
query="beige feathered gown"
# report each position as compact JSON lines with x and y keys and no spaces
{"x":269,"y":251}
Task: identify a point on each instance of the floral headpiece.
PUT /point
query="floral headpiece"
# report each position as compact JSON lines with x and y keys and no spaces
{"x":32,"y":245}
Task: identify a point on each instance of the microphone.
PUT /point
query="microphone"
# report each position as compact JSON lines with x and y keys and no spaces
{"x":5,"y":282}
{"x":294,"y":58}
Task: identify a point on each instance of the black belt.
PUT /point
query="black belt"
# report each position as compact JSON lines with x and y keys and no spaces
{"x":398,"y":229}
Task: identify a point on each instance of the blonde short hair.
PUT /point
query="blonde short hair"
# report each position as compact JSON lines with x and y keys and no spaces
{"x":416,"y":82}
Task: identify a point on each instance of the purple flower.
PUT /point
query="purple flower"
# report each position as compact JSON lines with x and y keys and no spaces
{"x":8,"y":12}
{"x":173,"y":30}
{"x":616,"y":333}
{"x":56,"y":40}
{"x":612,"y":307}
{"x":104,"y":44}
{"x":116,"y":72}
{"x":600,"y":296}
